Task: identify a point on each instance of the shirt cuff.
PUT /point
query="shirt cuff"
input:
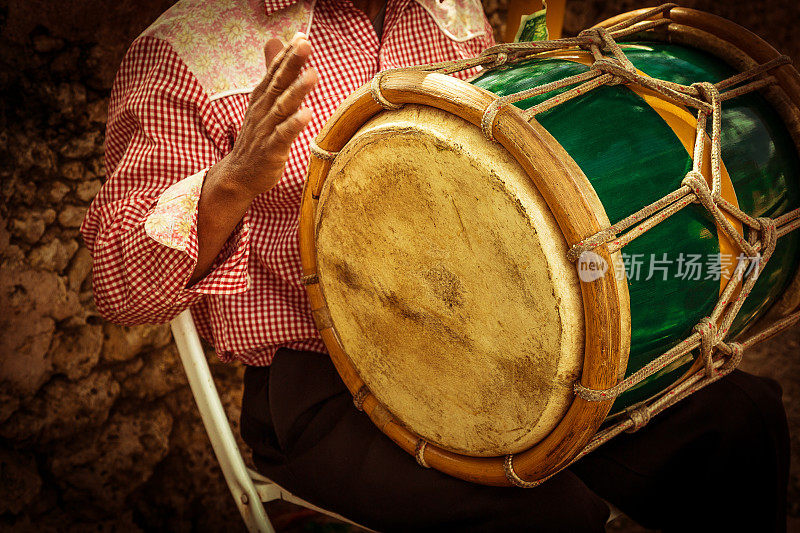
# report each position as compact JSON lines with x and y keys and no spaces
{"x":173,"y":223}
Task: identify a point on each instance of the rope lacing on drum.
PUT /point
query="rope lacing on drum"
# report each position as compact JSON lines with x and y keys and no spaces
{"x":359,"y":397}
{"x":708,"y":334}
{"x":419,"y":453}
{"x":321,"y":152}
{"x":717,"y":356}
{"x":513,"y":477}
{"x":445,"y":67}
{"x":611,"y":66}
{"x":377,"y":92}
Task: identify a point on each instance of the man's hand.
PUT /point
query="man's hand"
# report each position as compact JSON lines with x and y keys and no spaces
{"x":274,"y":119}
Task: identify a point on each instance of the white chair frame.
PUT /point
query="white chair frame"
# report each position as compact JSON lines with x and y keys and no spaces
{"x":249,"y":488}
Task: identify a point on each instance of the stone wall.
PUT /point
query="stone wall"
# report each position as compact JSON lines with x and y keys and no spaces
{"x":97,"y":425}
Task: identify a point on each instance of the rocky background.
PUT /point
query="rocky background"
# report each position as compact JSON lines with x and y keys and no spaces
{"x":98,"y":430}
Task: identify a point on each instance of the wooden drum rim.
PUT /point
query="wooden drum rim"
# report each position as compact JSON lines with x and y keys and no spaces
{"x":577,"y":211}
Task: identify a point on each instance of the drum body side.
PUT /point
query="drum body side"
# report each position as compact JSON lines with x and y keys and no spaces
{"x":575,"y":202}
{"x":633,"y":157}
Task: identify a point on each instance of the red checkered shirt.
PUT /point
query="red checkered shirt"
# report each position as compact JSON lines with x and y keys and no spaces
{"x":176,"y":107}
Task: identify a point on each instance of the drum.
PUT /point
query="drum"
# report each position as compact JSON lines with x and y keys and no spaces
{"x":503,"y":284}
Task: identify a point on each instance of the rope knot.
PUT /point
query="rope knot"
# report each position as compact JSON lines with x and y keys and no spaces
{"x":500,"y":59}
{"x":640,"y":417}
{"x":599,"y":37}
{"x":619,"y":73}
{"x":694,"y":178}
{"x":708,"y":94}
{"x":768,"y":230}
{"x":708,"y":341}
{"x":594,"y":38}
{"x":697,"y":182}
{"x":707,"y":329}
{"x":734,"y":358}
{"x":590,"y":243}
{"x":767,"y":236}
{"x":706,"y":90}
{"x":767,"y":224}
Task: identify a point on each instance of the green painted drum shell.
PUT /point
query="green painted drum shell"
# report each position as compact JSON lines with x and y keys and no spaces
{"x":632,"y":157}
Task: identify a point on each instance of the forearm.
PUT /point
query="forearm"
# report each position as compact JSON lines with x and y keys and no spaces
{"x":222,"y":205}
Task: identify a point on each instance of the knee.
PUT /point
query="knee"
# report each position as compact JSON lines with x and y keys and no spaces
{"x":755,"y":428}
{"x":563,"y":503}
{"x":765,"y":399}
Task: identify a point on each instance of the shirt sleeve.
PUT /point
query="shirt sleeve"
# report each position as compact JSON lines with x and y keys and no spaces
{"x":162,"y":137}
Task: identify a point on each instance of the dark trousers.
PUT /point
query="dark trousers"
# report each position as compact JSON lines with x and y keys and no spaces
{"x":716,"y":461}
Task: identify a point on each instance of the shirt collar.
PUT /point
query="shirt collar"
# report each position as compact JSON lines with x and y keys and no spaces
{"x":271,"y":6}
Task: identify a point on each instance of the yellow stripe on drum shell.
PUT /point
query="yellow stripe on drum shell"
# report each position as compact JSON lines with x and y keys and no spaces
{"x":684,"y":125}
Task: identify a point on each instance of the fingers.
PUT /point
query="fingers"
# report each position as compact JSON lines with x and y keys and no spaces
{"x":291,"y":99}
{"x":275,"y":116}
{"x":272,"y":49}
{"x":289,"y":69}
{"x":274,"y":53}
{"x":285,"y":67}
{"x":287,"y":131}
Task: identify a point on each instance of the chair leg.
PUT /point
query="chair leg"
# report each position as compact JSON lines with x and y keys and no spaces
{"x":269,"y":491}
{"x":248,"y":487}
{"x":217,"y":425}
